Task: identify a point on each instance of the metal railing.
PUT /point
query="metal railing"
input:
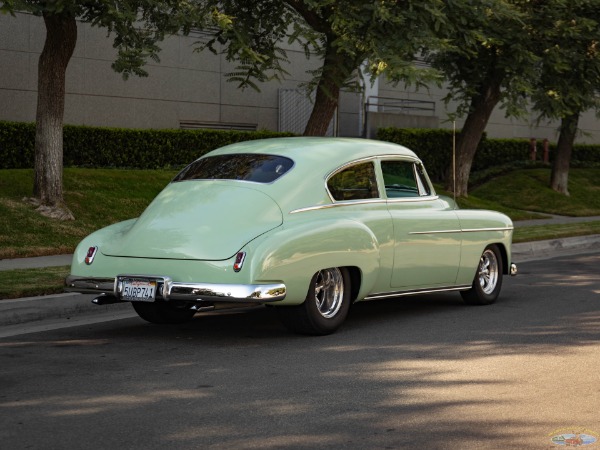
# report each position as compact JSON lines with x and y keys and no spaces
{"x":399,"y":106}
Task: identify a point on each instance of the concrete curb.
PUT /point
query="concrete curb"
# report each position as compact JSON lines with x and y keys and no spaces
{"x":59,"y":306}
{"x":528,"y":251}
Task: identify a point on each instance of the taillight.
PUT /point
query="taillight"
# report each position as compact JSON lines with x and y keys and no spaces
{"x":239,"y":261}
{"x":91,"y":254}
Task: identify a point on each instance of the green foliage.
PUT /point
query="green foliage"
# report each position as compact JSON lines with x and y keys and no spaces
{"x":119,"y":147}
{"x":253,"y":38}
{"x":17,"y":144}
{"x":489,"y":44}
{"x":569,"y":73}
{"x":136,"y":25}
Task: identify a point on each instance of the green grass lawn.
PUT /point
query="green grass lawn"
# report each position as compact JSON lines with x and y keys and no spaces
{"x":97,"y":197}
{"x":529,"y":190}
{"x":32,"y":282}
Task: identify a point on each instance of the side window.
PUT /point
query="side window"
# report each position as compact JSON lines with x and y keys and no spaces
{"x":356,"y":182}
{"x":402,"y":179}
{"x":424,"y":187}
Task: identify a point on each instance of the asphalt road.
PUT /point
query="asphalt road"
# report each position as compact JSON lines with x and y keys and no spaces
{"x":422,"y":373}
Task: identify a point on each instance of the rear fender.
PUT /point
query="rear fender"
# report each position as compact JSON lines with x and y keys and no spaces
{"x":293,"y":255}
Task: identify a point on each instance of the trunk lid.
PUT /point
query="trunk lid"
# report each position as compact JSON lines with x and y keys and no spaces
{"x":198,"y":220}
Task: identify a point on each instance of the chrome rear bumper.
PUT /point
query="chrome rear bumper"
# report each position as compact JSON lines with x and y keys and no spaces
{"x":193,"y":292}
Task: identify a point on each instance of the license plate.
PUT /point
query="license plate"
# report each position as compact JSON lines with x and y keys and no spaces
{"x":138,"y":290}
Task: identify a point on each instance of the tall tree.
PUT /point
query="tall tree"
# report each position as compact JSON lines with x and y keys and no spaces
{"x":385,"y":34}
{"x":492,"y":61}
{"x":569,"y":79}
{"x":343,"y":33}
{"x":137,"y":26}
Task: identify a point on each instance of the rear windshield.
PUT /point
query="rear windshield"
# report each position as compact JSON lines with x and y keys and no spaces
{"x":247,"y":167}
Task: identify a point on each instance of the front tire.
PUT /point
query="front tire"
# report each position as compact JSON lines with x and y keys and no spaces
{"x":163,"y":312}
{"x":488,"y":279}
{"x":326,"y":305}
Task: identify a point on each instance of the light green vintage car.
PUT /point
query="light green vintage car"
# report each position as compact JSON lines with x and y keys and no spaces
{"x":307,"y":225}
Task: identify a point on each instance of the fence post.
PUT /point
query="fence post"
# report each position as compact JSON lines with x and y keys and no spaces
{"x":546,"y":151}
{"x":532,"y":149}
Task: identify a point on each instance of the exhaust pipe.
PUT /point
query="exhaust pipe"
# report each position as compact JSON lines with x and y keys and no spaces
{"x":106,"y":299}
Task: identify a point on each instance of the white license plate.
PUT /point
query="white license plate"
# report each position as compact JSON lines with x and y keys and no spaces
{"x":138,"y":290}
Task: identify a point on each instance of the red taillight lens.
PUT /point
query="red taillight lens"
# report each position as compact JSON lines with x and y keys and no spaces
{"x":91,"y":254}
{"x":239,"y":261}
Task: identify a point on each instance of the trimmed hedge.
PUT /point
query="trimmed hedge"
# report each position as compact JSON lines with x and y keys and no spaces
{"x":115,"y":147}
{"x":151,"y":149}
{"x":434,"y":147}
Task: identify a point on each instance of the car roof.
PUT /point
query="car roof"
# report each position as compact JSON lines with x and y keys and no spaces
{"x":330,"y":152}
{"x":314,"y":159}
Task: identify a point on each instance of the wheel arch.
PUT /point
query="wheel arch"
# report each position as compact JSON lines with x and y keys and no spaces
{"x":504,"y":255}
{"x":355,"y":282}
{"x":294,"y":255}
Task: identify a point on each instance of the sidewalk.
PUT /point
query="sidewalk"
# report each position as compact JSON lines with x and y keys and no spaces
{"x":555,"y":220}
{"x":35,"y":263}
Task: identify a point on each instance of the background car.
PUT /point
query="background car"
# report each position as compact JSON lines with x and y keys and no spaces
{"x":308,"y":225}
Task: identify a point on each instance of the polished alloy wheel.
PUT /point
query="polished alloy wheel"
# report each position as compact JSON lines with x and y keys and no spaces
{"x":329,"y":291}
{"x":488,"y":271}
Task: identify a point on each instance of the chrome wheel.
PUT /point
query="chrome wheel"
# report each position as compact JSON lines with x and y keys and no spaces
{"x":488,"y":271}
{"x":325,"y":307}
{"x":488,"y":278}
{"x":329,"y":291}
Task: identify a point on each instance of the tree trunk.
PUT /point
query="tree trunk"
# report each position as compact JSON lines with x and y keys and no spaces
{"x":559,"y":179}
{"x":328,"y":93}
{"x":468,"y":140}
{"x":61,"y":37}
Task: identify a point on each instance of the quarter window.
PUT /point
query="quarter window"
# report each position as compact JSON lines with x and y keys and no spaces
{"x":404,"y":179}
{"x":357,"y":182}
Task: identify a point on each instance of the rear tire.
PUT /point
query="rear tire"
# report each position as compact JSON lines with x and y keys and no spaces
{"x":488,"y":279}
{"x":163,"y":312}
{"x":326,"y":305}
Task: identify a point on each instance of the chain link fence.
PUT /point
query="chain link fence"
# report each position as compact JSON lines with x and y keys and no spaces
{"x":295,"y":108}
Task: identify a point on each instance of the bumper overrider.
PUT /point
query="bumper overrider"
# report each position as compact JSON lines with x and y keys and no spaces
{"x":111,"y":290}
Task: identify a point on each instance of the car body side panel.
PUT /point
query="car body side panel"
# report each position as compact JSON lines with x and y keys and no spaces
{"x":334,"y":237}
{"x":428,"y":244}
{"x":479,"y":229}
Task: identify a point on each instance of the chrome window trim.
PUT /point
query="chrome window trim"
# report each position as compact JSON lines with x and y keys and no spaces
{"x":338,"y":204}
{"x":363,"y":202}
{"x":420,"y":185}
{"x":428,"y":198}
{"x":386,"y":157}
{"x":344,"y":167}
{"x":418,"y":177}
